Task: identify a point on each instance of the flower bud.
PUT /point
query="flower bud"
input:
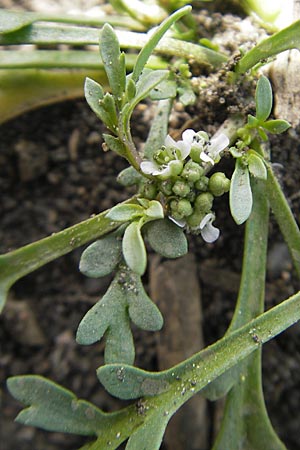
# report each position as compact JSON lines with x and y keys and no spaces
{"x":202,"y":184}
{"x":166,"y":187}
{"x":148,"y":190}
{"x":181,"y":188}
{"x":192,"y":171}
{"x":184,"y":207}
{"x":218,"y":184}
{"x":204,"y":202}
{"x":194,"y":219}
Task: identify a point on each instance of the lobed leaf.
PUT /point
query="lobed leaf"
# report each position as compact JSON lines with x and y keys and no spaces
{"x":101,"y":257}
{"x":128,"y":382}
{"x":102,"y":104}
{"x":109,"y":316}
{"x":114,"y":62}
{"x":150,"y":435}
{"x":263,"y":98}
{"x":240,"y":194}
{"x":166,"y":238}
{"x":55,"y":408}
{"x":114,"y":144}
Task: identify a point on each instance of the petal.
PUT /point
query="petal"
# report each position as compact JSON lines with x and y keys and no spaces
{"x":184,"y":149}
{"x":210,"y":233}
{"x":149,"y":167}
{"x":181,"y":223}
{"x":169,"y":142}
{"x":188,"y":136}
{"x":218,"y":143}
{"x":206,"y":158}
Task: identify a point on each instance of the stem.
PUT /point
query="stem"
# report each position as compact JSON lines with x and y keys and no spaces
{"x":18,"y":263}
{"x":284,"y":217}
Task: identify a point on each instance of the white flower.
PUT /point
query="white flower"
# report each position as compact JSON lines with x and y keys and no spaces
{"x":169,"y":160}
{"x":215,"y":146}
{"x":208,"y":232}
{"x":209,"y":149}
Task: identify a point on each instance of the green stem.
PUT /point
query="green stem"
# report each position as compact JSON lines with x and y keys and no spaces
{"x":18,"y":263}
{"x":284,"y":217}
{"x":245,"y":417}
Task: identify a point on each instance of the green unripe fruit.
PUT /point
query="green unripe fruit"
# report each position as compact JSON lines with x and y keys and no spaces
{"x":204,"y":202}
{"x":202,"y":184}
{"x":194,"y":219}
{"x":174,"y":210}
{"x":192,"y":172}
{"x":148,"y":190}
{"x":181,"y":188}
{"x":184,"y":207}
{"x":218,"y":184}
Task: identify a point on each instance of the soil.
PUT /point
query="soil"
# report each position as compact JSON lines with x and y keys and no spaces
{"x":53,"y":173}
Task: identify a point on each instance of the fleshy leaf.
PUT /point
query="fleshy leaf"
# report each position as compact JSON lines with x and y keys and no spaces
{"x":240,"y":194}
{"x":102,"y":105}
{"x":134,"y":250}
{"x":129,"y":177}
{"x":125,"y":212}
{"x":54,"y":408}
{"x":150,"y":435}
{"x":159,"y":128}
{"x":263,"y":98}
{"x":276,"y":126}
{"x":154,"y":210}
{"x":101,"y":257}
{"x":114,"y":61}
{"x":166,"y":238}
{"x":165,"y":89}
{"x":142,"y":311}
{"x":128,"y":382}
{"x":109,"y":316}
{"x":256,"y":166}
{"x":114,"y":144}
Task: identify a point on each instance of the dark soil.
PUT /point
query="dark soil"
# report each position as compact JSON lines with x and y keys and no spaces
{"x":53,"y":173}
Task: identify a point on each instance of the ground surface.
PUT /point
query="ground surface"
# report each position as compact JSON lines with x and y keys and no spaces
{"x":53,"y":174}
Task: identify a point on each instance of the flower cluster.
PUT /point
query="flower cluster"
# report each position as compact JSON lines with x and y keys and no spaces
{"x":179,"y":170}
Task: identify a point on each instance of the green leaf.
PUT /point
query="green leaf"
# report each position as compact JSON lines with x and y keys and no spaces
{"x":154,"y":210}
{"x":12,"y":21}
{"x":124,"y":213}
{"x":263,"y":98}
{"x":165,"y":89}
{"x":129,"y":177}
{"x":134,"y":250}
{"x":276,"y":126}
{"x":149,"y":436}
{"x":127,"y":382}
{"x":240,"y":194}
{"x":142,"y":311}
{"x":286,"y":39}
{"x":166,"y":238}
{"x":154,"y":40}
{"x":114,"y":62}
{"x":102,"y":105}
{"x":54,"y":408}
{"x":114,"y":144}
{"x":109,"y":316}
{"x":256,"y":166}
{"x":101,"y":257}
